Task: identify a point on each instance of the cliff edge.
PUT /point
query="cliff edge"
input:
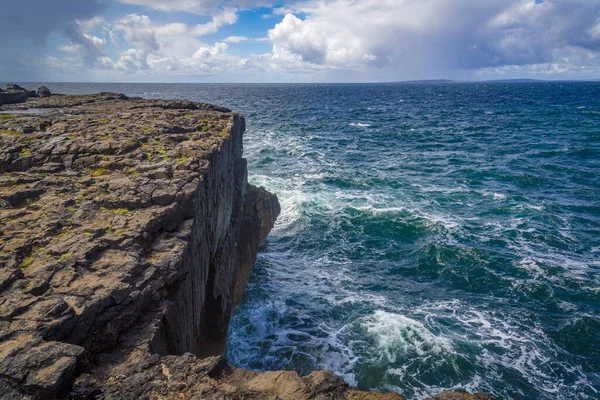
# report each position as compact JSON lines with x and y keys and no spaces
{"x":128,"y":231}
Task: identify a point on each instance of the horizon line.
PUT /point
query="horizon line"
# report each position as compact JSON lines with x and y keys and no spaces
{"x":504,"y":80}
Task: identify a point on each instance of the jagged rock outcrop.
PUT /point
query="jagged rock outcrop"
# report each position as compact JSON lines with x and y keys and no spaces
{"x":127,"y":234}
{"x":13,"y":87}
{"x":16,"y":94}
{"x":13,"y":97}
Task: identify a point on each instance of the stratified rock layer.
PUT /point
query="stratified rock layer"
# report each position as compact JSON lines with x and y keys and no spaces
{"x":127,"y":234}
{"x":121,"y":224}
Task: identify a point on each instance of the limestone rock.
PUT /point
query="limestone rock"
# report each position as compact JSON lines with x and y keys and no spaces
{"x":121,"y":215}
{"x":43,"y":91}
{"x":13,"y":97}
{"x":15,"y":94}
{"x":11,"y":87}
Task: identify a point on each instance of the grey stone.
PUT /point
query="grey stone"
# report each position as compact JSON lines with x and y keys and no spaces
{"x":43,"y":91}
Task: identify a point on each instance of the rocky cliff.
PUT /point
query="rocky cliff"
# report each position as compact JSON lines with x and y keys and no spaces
{"x":127,"y":234}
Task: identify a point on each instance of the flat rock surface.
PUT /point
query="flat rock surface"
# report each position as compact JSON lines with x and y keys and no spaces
{"x":86,"y":175}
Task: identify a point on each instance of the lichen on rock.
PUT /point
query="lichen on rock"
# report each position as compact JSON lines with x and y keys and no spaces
{"x":120,"y":224}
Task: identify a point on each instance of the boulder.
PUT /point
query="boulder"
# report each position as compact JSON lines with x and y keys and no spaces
{"x":43,"y":91}
{"x":15,"y":94}
{"x":13,"y":97}
{"x":11,"y":87}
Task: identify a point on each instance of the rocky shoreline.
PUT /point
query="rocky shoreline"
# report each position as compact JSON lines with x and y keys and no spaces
{"x":128,"y":231}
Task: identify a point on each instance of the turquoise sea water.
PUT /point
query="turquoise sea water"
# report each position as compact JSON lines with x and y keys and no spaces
{"x":433,"y":236}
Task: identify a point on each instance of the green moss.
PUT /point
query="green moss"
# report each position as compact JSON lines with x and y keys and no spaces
{"x":133,"y":171}
{"x":66,"y":256}
{"x":116,"y":211}
{"x":181,"y":160}
{"x":224,"y":133}
{"x":99,"y":172}
{"x":27,"y":261}
{"x":4,"y":116}
{"x":188,"y":116}
{"x":205,"y":128}
{"x":25,"y":152}
{"x":88,"y":234}
{"x":31,"y":200}
{"x":147,"y":129}
{"x":9,"y":132}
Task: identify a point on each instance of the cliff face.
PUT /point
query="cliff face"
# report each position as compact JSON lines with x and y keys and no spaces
{"x":127,"y":225}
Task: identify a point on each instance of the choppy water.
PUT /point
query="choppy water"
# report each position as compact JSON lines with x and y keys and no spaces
{"x":433,"y":236}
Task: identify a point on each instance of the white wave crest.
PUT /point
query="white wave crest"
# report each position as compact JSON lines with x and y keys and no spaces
{"x":396,"y":335}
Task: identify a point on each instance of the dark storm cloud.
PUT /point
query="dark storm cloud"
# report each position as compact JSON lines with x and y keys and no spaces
{"x":33,"y":20}
{"x":25,"y":26}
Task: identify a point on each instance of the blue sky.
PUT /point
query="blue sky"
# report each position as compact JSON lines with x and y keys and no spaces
{"x":298,"y":41}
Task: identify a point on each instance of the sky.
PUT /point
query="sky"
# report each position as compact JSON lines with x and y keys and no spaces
{"x":297,"y":41}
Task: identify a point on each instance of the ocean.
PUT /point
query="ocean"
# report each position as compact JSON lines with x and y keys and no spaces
{"x":432,"y":236}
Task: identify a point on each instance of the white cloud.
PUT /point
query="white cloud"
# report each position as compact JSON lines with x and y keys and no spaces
{"x":204,"y":52}
{"x":235,"y":39}
{"x":352,"y":40}
{"x":139,"y":31}
{"x":425,"y":38}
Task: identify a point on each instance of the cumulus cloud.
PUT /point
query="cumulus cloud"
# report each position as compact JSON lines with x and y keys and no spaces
{"x":139,"y":31}
{"x":83,"y":43}
{"x":165,"y":47}
{"x":317,"y":42}
{"x":415,"y":37}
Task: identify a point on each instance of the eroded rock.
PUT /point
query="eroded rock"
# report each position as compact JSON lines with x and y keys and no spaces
{"x":43,"y":91}
{"x":120,"y":218}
